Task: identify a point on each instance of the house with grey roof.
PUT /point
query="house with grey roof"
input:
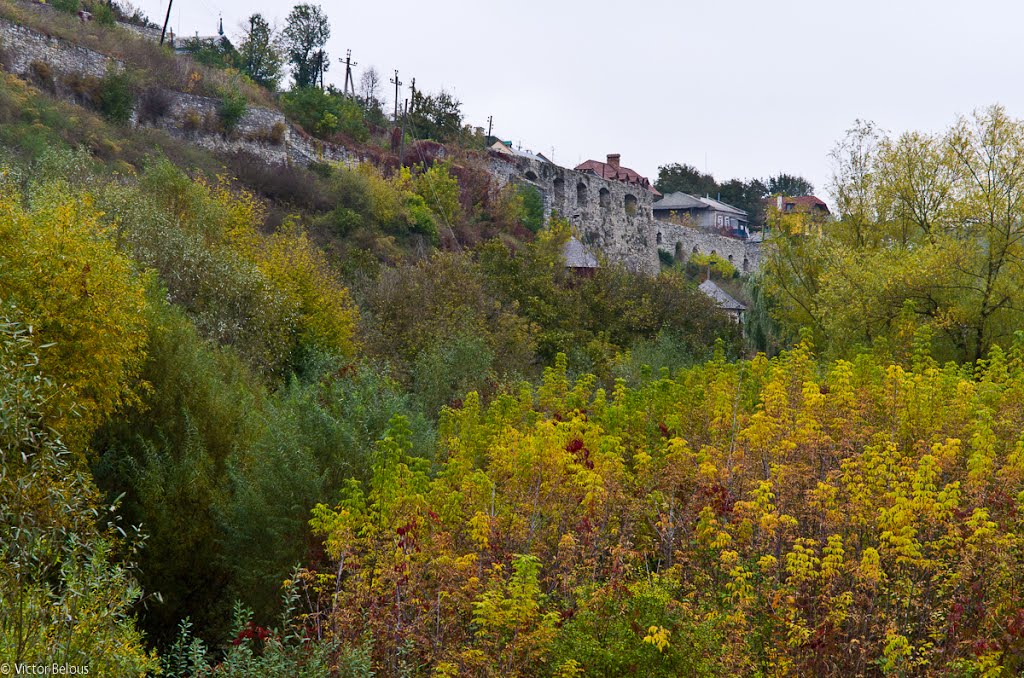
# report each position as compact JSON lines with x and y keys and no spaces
{"x":724,"y":300}
{"x":707,"y":214}
{"x":506,"y":148}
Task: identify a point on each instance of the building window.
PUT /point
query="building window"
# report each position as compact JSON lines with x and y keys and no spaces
{"x":659,"y":237}
{"x":581,"y":194}
{"x":559,"y":185}
{"x":630,"y":204}
{"x":604,"y":198}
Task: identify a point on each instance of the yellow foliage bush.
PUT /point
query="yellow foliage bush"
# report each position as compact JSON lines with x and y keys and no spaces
{"x":82,"y":298}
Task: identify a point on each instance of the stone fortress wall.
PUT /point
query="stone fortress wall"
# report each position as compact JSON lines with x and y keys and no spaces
{"x":609,"y":216}
{"x":684,"y":241}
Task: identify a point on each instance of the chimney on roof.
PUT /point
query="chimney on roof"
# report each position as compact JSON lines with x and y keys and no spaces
{"x":613,"y":160}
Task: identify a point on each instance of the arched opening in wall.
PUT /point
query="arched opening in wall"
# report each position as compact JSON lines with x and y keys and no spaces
{"x":630,"y":204}
{"x":659,"y":237}
{"x":531,"y":175}
{"x":679,"y":251}
{"x":730,"y":258}
{"x":559,"y":185}
{"x":746,"y":265}
{"x":604,"y":198}
{"x":581,"y":194}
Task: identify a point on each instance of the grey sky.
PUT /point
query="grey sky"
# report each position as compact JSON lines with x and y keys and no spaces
{"x":754,"y":87}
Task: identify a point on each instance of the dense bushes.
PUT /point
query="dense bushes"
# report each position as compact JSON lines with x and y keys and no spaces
{"x":749,"y":518}
{"x":325,"y":113}
{"x":79,"y":294}
{"x":65,"y":582}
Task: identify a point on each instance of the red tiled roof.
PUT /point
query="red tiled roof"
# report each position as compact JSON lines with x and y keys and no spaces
{"x":807,"y":202}
{"x":623,"y":174}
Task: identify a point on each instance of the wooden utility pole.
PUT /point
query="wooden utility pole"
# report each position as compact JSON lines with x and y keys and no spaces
{"x":490,"y":125}
{"x":397,"y":83}
{"x":166,"y":19}
{"x":413,"y":87}
{"x":401,"y":151}
{"x":350,"y":82}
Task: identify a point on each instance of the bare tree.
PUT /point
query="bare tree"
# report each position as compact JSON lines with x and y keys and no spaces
{"x":369,"y":83}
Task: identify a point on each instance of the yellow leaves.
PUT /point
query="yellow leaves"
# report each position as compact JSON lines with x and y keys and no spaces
{"x":480,"y":530}
{"x":832,"y":560}
{"x":83,"y":300}
{"x":802,"y":563}
{"x":327,"y":316}
{"x":659,"y":637}
{"x":870,"y":569}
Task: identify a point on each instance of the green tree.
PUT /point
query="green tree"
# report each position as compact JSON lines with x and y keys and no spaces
{"x":677,"y":177}
{"x":436,"y":116}
{"x":929,"y":233}
{"x":66,"y":583}
{"x":258,"y":54}
{"x":305,"y":35}
{"x":788,"y":185}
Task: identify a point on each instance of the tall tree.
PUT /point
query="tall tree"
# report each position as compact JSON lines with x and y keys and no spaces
{"x":368,"y":84}
{"x":929,"y":234}
{"x":686,"y":178}
{"x":305,"y":36}
{"x":789,"y":185}
{"x":436,"y":116}
{"x":259,"y":56}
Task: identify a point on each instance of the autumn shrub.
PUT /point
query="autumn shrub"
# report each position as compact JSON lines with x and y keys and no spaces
{"x":281,"y":651}
{"x":42,"y":74}
{"x":532,"y":214}
{"x":450,"y":368}
{"x":317,"y":439}
{"x":66,"y":578}
{"x":699,"y":265}
{"x":325,"y":114}
{"x":81,"y":295}
{"x":268,"y":296}
{"x":231,"y":108}
{"x":413,"y":310}
{"x":116,"y":96}
{"x":283,"y":183}
{"x":594,"y":319}
{"x":168,"y":456}
{"x":103,"y":14}
{"x":192,"y":120}
{"x":85,"y":88}
{"x":784,"y":515}
{"x":69,"y":6}
{"x":154,"y":105}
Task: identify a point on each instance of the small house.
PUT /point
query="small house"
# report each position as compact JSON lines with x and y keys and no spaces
{"x":707,"y":214}
{"x":579,"y":259}
{"x":724,"y":301}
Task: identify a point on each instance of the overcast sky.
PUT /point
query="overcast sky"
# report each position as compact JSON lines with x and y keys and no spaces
{"x":746,"y":88}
